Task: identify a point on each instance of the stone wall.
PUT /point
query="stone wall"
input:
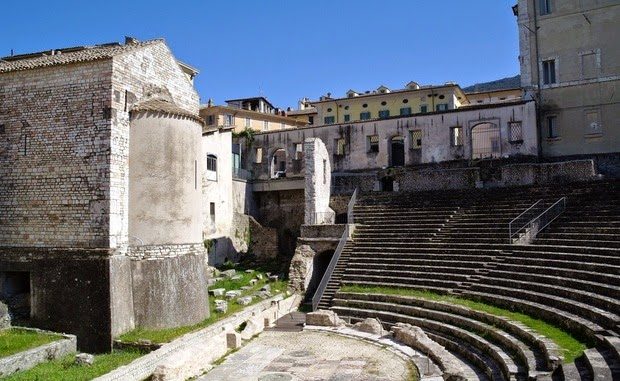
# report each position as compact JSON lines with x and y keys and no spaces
{"x":435,"y":144}
{"x":190,"y":355}
{"x":548,"y":173}
{"x":65,"y":345}
{"x":282,"y":210}
{"x":5,"y":318}
{"x":54,"y":156}
{"x":317,"y":183}
{"x":170,"y":290}
{"x":64,"y":194}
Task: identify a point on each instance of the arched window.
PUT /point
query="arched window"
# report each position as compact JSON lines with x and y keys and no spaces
{"x":211,"y":167}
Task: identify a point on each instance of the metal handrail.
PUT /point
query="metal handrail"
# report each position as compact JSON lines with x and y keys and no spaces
{"x":352,"y":201}
{"x":512,"y":233}
{"x":560,"y":205}
{"x":348,"y":231}
{"x":541,"y":221}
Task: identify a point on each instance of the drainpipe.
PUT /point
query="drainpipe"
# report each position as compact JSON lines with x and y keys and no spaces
{"x":539,"y":96}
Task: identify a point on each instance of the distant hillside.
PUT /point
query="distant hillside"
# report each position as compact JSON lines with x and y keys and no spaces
{"x":504,"y":83}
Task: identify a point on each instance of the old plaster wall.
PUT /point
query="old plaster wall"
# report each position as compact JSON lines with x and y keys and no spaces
{"x":317,"y":183}
{"x":580,"y":36}
{"x":165,"y":198}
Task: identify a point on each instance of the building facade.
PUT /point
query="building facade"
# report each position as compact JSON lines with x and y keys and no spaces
{"x":473,"y":132}
{"x":570,"y":63}
{"x":100,"y":189}
{"x":384,"y":103}
{"x":256,"y":114}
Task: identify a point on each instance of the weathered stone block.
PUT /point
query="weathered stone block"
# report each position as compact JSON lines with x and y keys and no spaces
{"x":370,"y":325}
{"x":217,"y":291}
{"x":233,"y":340}
{"x":84,"y":359}
{"x":244,"y":301}
{"x":229,"y":273}
{"x":232,"y":294}
{"x":323,"y":318}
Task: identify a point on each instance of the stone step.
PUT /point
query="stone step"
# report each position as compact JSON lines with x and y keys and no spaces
{"x":574,"y":271}
{"x":567,"y":320}
{"x":595,"y":283}
{"x":594,"y":306}
{"x":545,"y":350}
{"x":576,"y":242}
{"x":511,"y":288}
{"x":529,"y":358}
{"x":598,"y":366}
{"x":493,"y":352}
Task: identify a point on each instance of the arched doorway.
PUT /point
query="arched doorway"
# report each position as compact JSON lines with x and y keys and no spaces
{"x":278,"y":164}
{"x":320,"y":262}
{"x":485,"y":141}
{"x":397,"y":151}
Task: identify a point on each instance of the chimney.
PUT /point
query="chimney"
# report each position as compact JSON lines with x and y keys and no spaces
{"x":130,"y":40}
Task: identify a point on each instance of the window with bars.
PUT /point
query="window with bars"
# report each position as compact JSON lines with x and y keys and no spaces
{"x":329,"y":120}
{"x":416,"y":139}
{"x":405,"y":111}
{"x":384,"y":114}
{"x":265,"y":126}
{"x":456,"y":136}
{"x":424,"y":109}
{"x":340,"y":145}
{"x":365,"y":115}
{"x":516,"y":132}
{"x":347,"y":117}
{"x":248,"y":122}
{"x":372,"y":142}
{"x":229,"y":120}
{"x":442,"y":107}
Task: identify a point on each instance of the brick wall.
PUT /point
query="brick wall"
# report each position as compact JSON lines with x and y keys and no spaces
{"x":54,"y":156}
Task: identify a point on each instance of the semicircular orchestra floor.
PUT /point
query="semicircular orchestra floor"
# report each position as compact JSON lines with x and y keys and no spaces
{"x":311,"y":355}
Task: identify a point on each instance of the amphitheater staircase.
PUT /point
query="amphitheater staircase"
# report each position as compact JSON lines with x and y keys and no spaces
{"x":457,"y":243}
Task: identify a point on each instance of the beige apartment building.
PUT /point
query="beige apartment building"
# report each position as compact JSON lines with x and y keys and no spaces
{"x":570,"y":63}
{"x":384,"y":103}
{"x":257,"y":114}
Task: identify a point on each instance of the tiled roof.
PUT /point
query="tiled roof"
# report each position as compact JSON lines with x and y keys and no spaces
{"x":162,"y":105}
{"x":68,"y":55}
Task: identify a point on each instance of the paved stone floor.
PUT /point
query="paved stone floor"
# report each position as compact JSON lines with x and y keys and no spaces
{"x":297,"y":356}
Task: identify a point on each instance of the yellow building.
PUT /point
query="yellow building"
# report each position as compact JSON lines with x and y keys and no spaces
{"x":494,"y":96}
{"x":256,"y":113}
{"x":384,"y":103}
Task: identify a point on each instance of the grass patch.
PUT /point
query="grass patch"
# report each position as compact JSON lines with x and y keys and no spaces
{"x":570,"y":346}
{"x":15,"y":340}
{"x":161,"y":336}
{"x":65,"y":368}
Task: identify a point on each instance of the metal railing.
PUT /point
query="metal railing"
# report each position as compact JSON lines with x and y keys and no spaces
{"x":538,"y":223}
{"x":348,"y":232}
{"x":516,"y":226}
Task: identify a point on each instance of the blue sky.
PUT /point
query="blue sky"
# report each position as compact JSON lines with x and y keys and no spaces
{"x":285,"y":50}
